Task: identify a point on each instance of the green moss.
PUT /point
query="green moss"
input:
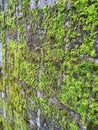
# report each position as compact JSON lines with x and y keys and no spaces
{"x":59,"y":42}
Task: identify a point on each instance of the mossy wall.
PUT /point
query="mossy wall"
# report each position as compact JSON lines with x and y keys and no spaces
{"x":50,"y":54}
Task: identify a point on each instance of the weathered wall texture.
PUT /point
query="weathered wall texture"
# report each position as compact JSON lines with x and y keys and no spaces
{"x":41,"y":3}
{"x":50,"y":68}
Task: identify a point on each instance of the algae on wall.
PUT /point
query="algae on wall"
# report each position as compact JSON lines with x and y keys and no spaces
{"x":51,"y":65}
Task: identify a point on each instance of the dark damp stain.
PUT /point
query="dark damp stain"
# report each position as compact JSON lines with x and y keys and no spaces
{"x":88,"y":33}
{"x":89,"y":3}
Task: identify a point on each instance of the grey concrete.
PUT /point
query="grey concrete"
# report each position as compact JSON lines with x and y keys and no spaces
{"x":41,"y":3}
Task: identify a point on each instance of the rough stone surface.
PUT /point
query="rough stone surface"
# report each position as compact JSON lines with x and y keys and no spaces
{"x":41,"y":3}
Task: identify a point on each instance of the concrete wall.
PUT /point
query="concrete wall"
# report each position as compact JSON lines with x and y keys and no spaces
{"x":41,"y":3}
